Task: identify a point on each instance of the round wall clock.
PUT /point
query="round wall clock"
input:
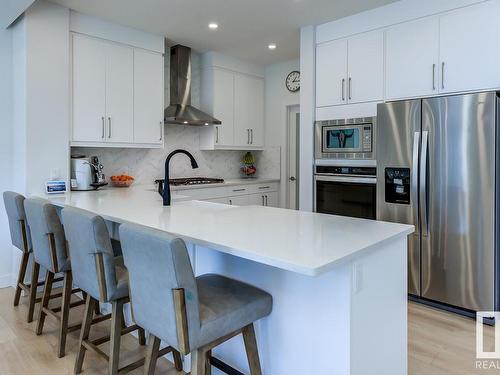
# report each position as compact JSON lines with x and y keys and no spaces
{"x":292,"y":81}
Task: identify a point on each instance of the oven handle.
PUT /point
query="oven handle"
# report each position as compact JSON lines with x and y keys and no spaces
{"x":355,"y":180}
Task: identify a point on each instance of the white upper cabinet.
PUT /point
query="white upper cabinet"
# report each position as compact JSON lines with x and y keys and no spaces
{"x":350,"y":70}
{"x":117,"y":93}
{"x":365,"y":81}
{"x":412,"y":51}
{"x":148,"y":97}
{"x":223,"y":107}
{"x":89,"y":89}
{"x":470,"y":48}
{"x":331,"y":72}
{"x":237,"y":100}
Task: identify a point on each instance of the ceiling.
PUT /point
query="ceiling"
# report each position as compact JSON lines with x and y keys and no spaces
{"x":246,"y":27}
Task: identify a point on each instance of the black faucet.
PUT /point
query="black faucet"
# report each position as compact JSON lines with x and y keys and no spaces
{"x":165,"y":192}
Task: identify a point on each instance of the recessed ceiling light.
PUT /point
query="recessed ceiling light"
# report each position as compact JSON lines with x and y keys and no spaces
{"x":272,"y":46}
{"x":213,"y":26}
{"x":185,"y":122}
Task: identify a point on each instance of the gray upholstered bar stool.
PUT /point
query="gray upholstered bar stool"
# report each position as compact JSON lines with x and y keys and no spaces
{"x":21,"y":238}
{"x":193,"y":315}
{"x":104,"y":278}
{"x":50,"y":252}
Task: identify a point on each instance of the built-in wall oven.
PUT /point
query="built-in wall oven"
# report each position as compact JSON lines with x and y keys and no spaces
{"x":346,"y":191}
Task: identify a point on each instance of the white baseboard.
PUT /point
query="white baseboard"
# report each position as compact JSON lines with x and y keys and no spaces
{"x":6,"y":281}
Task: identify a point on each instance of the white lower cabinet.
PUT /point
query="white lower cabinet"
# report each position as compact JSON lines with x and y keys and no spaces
{"x":238,"y":195}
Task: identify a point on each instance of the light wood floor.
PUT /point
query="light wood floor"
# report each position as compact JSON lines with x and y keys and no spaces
{"x":440,"y":343}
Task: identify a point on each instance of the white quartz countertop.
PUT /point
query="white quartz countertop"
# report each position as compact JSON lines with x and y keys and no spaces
{"x":230,"y":182}
{"x":302,"y":242}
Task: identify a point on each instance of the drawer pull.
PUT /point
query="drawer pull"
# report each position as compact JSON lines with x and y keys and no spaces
{"x":239,"y":190}
{"x":264,"y":187}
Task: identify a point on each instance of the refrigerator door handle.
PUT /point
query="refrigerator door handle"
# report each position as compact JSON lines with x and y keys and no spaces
{"x":414,"y":181}
{"x":423,"y":183}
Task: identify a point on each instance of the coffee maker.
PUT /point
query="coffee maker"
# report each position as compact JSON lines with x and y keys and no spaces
{"x":86,"y":173}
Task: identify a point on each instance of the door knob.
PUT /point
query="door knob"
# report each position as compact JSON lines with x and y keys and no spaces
{"x":292,"y":178}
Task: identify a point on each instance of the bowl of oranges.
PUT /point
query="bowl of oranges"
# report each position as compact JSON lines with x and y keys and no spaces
{"x":123,"y":180}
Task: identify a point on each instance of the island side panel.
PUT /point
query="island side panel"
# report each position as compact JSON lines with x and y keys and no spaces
{"x":379,"y":311}
{"x":308,"y":331}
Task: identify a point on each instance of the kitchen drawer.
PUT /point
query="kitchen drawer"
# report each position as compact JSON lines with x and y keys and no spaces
{"x":262,"y":188}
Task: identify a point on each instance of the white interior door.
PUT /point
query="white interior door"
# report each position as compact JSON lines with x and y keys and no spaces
{"x":148,"y":97}
{"x":89,"y":89}
{"x":331,"y":73}
{"x":365,"y":80}
{"x":412,"y":58}
{"x":470,"y":48}
{"x":119,"y":93}
{"x":292,"y":158}
{"x":223,"y":98}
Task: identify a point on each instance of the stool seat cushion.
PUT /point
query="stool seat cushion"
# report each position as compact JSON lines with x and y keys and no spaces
{"x":227,"y":305}
{"x":121,"y":290}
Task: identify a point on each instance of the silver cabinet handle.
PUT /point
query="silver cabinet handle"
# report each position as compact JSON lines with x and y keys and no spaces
{"x":251,"y":136}
{"x":350,"y":88}
{"x":263,"y":201}
{"x":248,"y":136}
{"x":109,"y":127}
{"x":264,"y":187}
{"x":239,"y":190}
{"x":423,"y":183}
{"x":433,"y":77}
{"x":414,"y":181}
{"x":161,"y":130}
{"x":442,"y":75}
{"x":216,"y":134}
{"x":231,"y":202}
{"x":266,"y":200}
{"x":343,"y":89}
{"x":103,"y":135}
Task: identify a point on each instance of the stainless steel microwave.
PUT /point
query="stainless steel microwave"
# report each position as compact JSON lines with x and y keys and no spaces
{"x":346,"y":139}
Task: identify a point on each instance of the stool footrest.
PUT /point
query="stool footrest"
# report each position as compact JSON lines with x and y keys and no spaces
{"x":224,"y":367}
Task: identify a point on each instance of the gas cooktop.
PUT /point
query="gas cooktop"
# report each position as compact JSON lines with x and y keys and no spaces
{"x":193,"y":181}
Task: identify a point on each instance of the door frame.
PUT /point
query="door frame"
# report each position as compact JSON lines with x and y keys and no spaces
{"x":292,"y":130}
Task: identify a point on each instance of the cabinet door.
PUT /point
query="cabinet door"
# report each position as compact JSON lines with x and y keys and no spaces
{"x":243,"y":114}
{"x":89,"y":89}
{"x":412,"y":57}
{"x":470,"y":48}
{"x":223,"y":102}
{"x":148,"y":97}
{"x":331,"y":73}
{"x":365,"y":81}
{"x":257,"y":199}
{"x":256,"y":104}
{"x":271,"y":199}
{"x":119,"y":93}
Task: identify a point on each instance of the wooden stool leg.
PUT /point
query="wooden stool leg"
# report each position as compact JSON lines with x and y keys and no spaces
{"x":198,"y":365}
{"x":34,"y":283}
{"x":251,"y":349}
{"x":20,"y":278}
{"x":151,"y":355}
{"x":116,"y":327}
{"x":177,"y":360}
{"x":208,"y":366}
{"x":142,"y":336}
{"x":47,"y":290}
{"x":84,"y":333}
{"x":63,"y":324}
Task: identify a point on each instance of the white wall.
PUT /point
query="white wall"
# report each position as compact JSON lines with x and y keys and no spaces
{"x":5,"y":148}
{"x":11,"y":9}
{"x":278,"y":99}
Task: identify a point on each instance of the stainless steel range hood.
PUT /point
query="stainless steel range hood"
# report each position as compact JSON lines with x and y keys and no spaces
{"x":180,"y":110}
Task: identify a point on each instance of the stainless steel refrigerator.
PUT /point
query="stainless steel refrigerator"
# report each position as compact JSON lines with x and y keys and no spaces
{"x":436,"y":169}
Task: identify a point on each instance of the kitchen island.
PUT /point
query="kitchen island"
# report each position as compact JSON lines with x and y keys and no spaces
{"x":338,"y":283}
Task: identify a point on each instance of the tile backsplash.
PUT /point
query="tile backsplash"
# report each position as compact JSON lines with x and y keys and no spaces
{"x":146,"y":165}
